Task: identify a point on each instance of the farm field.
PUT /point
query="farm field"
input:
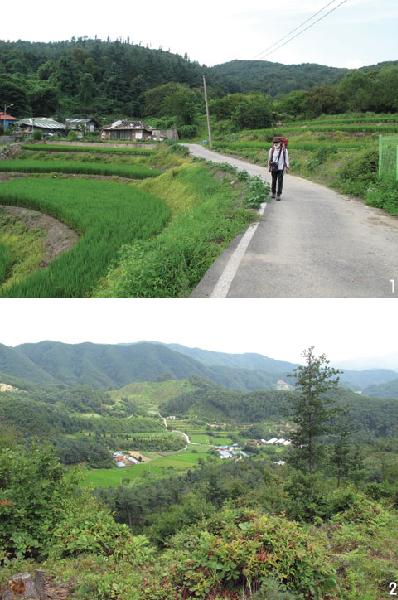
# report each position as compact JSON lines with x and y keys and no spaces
{"x":149,"y":396}
{"x":77,"y":168}
{"x":158,"y":466}
{"x":104,"y":225}
{"x":92,"y":149}
{"x":152,"y":237}
{"x":340,"y":151}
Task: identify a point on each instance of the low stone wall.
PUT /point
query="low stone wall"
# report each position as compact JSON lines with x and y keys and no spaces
{"x":7,"y":139}
{"x":10,"y":151}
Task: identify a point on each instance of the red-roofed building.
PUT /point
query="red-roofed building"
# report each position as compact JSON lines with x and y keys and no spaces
{"x":6,"y":120}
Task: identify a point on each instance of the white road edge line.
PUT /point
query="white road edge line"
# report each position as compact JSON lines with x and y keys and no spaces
{"x":224,"y":283}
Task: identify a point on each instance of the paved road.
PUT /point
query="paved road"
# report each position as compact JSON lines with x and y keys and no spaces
{"x":314,"y":243}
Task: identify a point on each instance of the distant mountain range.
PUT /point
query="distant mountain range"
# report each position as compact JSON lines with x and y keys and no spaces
{"x":108,"y":366}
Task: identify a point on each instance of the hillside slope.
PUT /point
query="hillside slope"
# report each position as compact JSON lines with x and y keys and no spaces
{"x":274,"y":78}
{"x":113,"y":366}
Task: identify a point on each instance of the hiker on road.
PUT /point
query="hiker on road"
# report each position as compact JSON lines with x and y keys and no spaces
{"x":278,"y":163}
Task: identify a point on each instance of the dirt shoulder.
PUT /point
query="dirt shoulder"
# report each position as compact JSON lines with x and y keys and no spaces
{"x":57,"y":237}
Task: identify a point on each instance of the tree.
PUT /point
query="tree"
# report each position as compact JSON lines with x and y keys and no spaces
{"x":43,"y":100}
{"x":33,"y":490}
{"x":312,"y":410}
{"x":14,"y":93}
{"x":346,"y":459}
{"x":253,"y":112}
{"x":294,"y":104}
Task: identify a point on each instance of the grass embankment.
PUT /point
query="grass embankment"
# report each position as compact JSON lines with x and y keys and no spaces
{"x":105,"y":214}
{"x":90,"y":149}
{"x":21,"y":249}
{"x":77,"y":168}
{"x":341,"y":152}
{"x":208,"y":212}
{"x":5,"y":262}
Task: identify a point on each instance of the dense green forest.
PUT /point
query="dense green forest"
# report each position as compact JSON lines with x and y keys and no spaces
{"x":118,"y":78}
{"x":274,"y":79}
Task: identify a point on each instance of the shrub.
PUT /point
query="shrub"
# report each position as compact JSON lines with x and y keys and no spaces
{"x":383,"y":194}
{"x":188,"y":131}
{"x":237,"y":550}
{"x":32,"y":496}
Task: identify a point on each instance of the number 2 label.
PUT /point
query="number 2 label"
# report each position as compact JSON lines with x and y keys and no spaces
{"x":393,"y":588}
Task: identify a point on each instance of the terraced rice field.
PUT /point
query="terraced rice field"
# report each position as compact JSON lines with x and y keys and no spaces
{"x":159,"y":466}
{"x":87,"y":149}
{"x":78,"y":168}
{"x":152,"y":234}
{"x":105,"y":214}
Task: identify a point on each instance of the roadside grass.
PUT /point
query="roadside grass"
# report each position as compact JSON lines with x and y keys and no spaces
{"x":21,"y":250}
{"x":158,"y":467}
{"x":208,"y":212}
{"x":5,"y":261}
{"x":340,"y":152}
{"x":105,"y":214}
{"x":78,"y":168}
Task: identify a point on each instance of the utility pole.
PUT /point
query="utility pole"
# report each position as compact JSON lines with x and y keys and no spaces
{"x":207,"y":112}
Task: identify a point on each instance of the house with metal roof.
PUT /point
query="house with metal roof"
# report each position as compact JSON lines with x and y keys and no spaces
{"x":6,"y":120}
{"x":44,"y":125}
{"x":127,"y":130}
{"x":88,"y":125}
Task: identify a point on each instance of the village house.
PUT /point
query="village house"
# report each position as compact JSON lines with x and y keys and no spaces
{"x":5,"y":387}
{"x":43,"y":124}
{"x":127,"y":130}
{"x":158,"y":135}
{"x":127,"y":459}
{"x":82,"y":126}
{"x":277,"y":441}
{"x":283,"y":386}
{"x":230,"y":452}
{"x":6,"y":120}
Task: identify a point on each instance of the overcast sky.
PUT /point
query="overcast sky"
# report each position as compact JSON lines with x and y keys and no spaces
{"x":360,"y":32}
{"x":279,"y":328}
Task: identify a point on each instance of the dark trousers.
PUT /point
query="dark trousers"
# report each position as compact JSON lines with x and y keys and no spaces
{"x":277,"y":176}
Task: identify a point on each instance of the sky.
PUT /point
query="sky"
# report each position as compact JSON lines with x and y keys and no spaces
{"x":358,"y":33}
{"x":345,"y":330}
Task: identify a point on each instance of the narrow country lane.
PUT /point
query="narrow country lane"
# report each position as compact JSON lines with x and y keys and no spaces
{"x":314,"y":243}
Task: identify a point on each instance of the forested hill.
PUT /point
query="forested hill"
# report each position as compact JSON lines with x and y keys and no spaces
{"x":274,"y":78}
{"x":86,"y":75}
{"x":109,"y":366}
{"x":112,"y":366}
{"x":90,"y":75}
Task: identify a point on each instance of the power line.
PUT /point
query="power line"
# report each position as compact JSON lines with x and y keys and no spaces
{"x":296,"y":28}
{"x":277,"y":45}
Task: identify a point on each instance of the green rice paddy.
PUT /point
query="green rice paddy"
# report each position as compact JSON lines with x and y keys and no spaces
{"x":78,"y":168}
{"x":91,"y":149}
{"x":106,"y":214}
{"x":159,"y":466}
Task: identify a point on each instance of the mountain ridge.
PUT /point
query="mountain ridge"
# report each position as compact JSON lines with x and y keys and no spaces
{"x":110,"y":366}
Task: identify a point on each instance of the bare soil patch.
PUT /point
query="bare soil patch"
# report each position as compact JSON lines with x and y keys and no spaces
{"x":58,"y":237}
